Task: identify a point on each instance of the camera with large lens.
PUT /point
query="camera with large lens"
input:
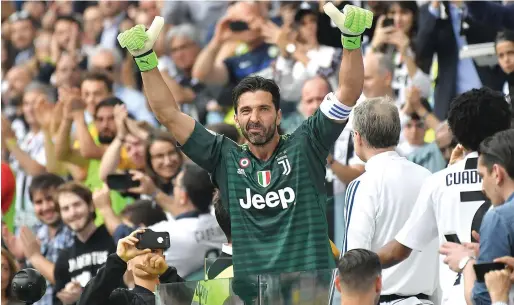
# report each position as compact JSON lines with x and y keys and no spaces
{"x":28,"y":285}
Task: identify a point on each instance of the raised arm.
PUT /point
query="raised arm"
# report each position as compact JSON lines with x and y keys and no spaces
{"x":111,"y":158}
{"x":140,"y":43}
{"x":352,"y":22}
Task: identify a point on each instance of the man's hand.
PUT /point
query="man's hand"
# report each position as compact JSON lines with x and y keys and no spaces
{"x":222,"y":31}
{"x":127,"y":250}
{"x":102,"y":198}
{"x":140,"y":43}
{"x":120,"y":116}
{"x":458,"y":154}
{"x":454,"y":254}
{"x":399,"y":40}
{"x":45,"y":113}
{"x":146,"y":186}
{"x":12,"y":242}
{"x":412,"y":100}
{"x":7,"y":132}
{"x":154,"y":265}
{"x":352,"y":22}
{"x":31,"y":246}
{"x":498,"y":284}
{"x":381,"y":34}
{"x":71,"y":293}
{"x":275,"y":35}
{"x":73,"y":105}
{"x":509,"y":261}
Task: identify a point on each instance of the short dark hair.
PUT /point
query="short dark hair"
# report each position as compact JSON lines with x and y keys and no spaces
{"x":44,"y":182}
{"x":254,"y":84}
{"x":100,"y":77}
{"x":197,"y":183}
{"x":358,"y":269}
{"x":499,"y":149}
{"x":144,"y":212}
{"x":229,"y":131}
{"x":222,"y":215}
{"x":477,"y":114}
{"x":69,"y":18}
{"x":108,"y":102}
{"x":506,"y":35}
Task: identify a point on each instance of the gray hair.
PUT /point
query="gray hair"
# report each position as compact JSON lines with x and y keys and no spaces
{"x":378,"y":122}
{"x":39,"y":87}
{"x":118,"y":56}
{"x":185,"y":30}
{"x":385,"y":63}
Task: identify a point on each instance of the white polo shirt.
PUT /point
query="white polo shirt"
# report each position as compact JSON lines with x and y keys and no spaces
{"x":448,"y":202}
{"x":378,"y":204}
{"x":192,"y":239}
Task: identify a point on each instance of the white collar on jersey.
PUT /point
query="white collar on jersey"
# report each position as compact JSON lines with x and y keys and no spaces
{"x":226,"y":248}
{"x":376,"y":158}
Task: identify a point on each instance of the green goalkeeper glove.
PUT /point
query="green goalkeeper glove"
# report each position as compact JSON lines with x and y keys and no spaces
{"x":352,"y":22}
{"x":140,"y":43}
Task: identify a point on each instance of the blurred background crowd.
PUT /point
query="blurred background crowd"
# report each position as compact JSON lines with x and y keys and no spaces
{"x":74,"y":112}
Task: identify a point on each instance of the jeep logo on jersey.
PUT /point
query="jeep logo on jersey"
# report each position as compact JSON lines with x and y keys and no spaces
{"x":264,"y":178}
{"x":283,"y":196}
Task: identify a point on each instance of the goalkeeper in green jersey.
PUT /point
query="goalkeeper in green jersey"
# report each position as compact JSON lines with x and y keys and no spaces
{"x":273,"y":186}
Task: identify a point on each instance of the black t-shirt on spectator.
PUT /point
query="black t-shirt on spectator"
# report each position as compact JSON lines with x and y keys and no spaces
{"x":82,"y":261}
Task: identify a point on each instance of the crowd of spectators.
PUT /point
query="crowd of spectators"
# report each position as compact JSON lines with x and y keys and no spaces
{"x":85,"y":161}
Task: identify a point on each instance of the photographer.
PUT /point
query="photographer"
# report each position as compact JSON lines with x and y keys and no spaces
{"x":148,"y":267}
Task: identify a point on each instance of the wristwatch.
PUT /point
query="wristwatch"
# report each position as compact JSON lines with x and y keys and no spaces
{"x":290,"y":48}
{"x":464,"y":261}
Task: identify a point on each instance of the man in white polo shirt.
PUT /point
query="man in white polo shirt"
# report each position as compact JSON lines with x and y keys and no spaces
{"x":451,"y":200}
{"x":380,"y":201}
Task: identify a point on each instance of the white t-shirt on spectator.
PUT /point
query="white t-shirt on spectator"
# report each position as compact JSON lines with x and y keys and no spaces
{"x":192,"y":239}
{"x":34,"y":145}
{"x":378,"y":204}
{"x":448,"y":202}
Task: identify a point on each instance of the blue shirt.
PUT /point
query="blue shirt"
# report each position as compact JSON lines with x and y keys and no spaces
{"x":50,"y":249}
{"x":496,"y":240}
{"x":136,"y":104}
{"x":249,"y":63}
{"x":430,"y":157}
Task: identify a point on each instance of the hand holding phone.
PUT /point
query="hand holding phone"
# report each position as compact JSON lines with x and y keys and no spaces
{"x":238,"y":26}
{"x":452,"y":238}
{"x":483,"y":268}
{"x":153,"y":240}
{"x":121,"y":182}
{"x":388,"y":22}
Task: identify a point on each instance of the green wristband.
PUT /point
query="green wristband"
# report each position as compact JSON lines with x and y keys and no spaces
{"x":351,"y":42}
{"x":147,"y":61}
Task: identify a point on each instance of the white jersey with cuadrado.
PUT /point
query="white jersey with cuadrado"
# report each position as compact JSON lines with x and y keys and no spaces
{"x":194,"y":237}
{"x":450,"y":200}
